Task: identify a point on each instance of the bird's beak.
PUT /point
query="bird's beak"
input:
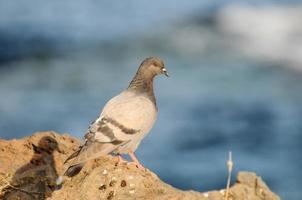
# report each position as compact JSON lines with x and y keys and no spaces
{"x":164,"y":71}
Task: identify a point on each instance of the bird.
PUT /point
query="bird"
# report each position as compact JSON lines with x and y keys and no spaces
{"x":123,"y":122}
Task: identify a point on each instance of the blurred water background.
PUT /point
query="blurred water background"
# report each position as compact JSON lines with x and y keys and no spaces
{"x":236,"y":80}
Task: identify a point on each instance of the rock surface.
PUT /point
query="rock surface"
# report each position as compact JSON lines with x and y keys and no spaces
{"x":30,"y":166}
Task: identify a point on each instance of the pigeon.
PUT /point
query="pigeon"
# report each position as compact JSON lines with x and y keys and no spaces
{"x":124,"y":121}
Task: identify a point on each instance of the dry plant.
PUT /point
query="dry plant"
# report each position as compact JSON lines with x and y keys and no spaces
{"x":230,"y":168}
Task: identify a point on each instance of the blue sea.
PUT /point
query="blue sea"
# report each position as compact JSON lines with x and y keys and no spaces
{"x":61,"y":61}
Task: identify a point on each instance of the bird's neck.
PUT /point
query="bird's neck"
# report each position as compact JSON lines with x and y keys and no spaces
{"x":143,"y":84}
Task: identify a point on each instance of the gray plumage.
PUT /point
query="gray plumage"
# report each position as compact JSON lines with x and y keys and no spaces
{"x":124,"y":121}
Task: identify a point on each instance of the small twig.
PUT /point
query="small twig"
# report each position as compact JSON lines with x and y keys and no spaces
{"x":230,"y":168}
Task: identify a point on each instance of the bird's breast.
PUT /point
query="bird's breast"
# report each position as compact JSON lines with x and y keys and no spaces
{"x":136,"y":112}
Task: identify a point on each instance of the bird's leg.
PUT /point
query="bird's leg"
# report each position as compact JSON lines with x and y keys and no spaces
{"x":135,"y":160}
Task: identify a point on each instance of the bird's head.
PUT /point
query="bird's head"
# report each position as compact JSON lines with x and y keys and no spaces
{"x":153,"y":66}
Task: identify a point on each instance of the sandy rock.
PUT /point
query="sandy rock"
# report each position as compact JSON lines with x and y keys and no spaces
{"x":249,"y":187}
{"x":30,"y":166}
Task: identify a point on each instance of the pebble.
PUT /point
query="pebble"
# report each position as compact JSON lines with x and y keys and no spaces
{"x":123,"y":183}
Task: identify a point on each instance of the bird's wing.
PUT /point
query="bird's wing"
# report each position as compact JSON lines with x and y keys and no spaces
{"x":95,"y":146}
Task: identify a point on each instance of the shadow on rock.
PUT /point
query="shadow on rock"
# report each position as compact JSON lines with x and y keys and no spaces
{"x":35,"y":180}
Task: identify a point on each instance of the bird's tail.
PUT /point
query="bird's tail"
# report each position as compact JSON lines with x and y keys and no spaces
{"x":90,"y":150}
